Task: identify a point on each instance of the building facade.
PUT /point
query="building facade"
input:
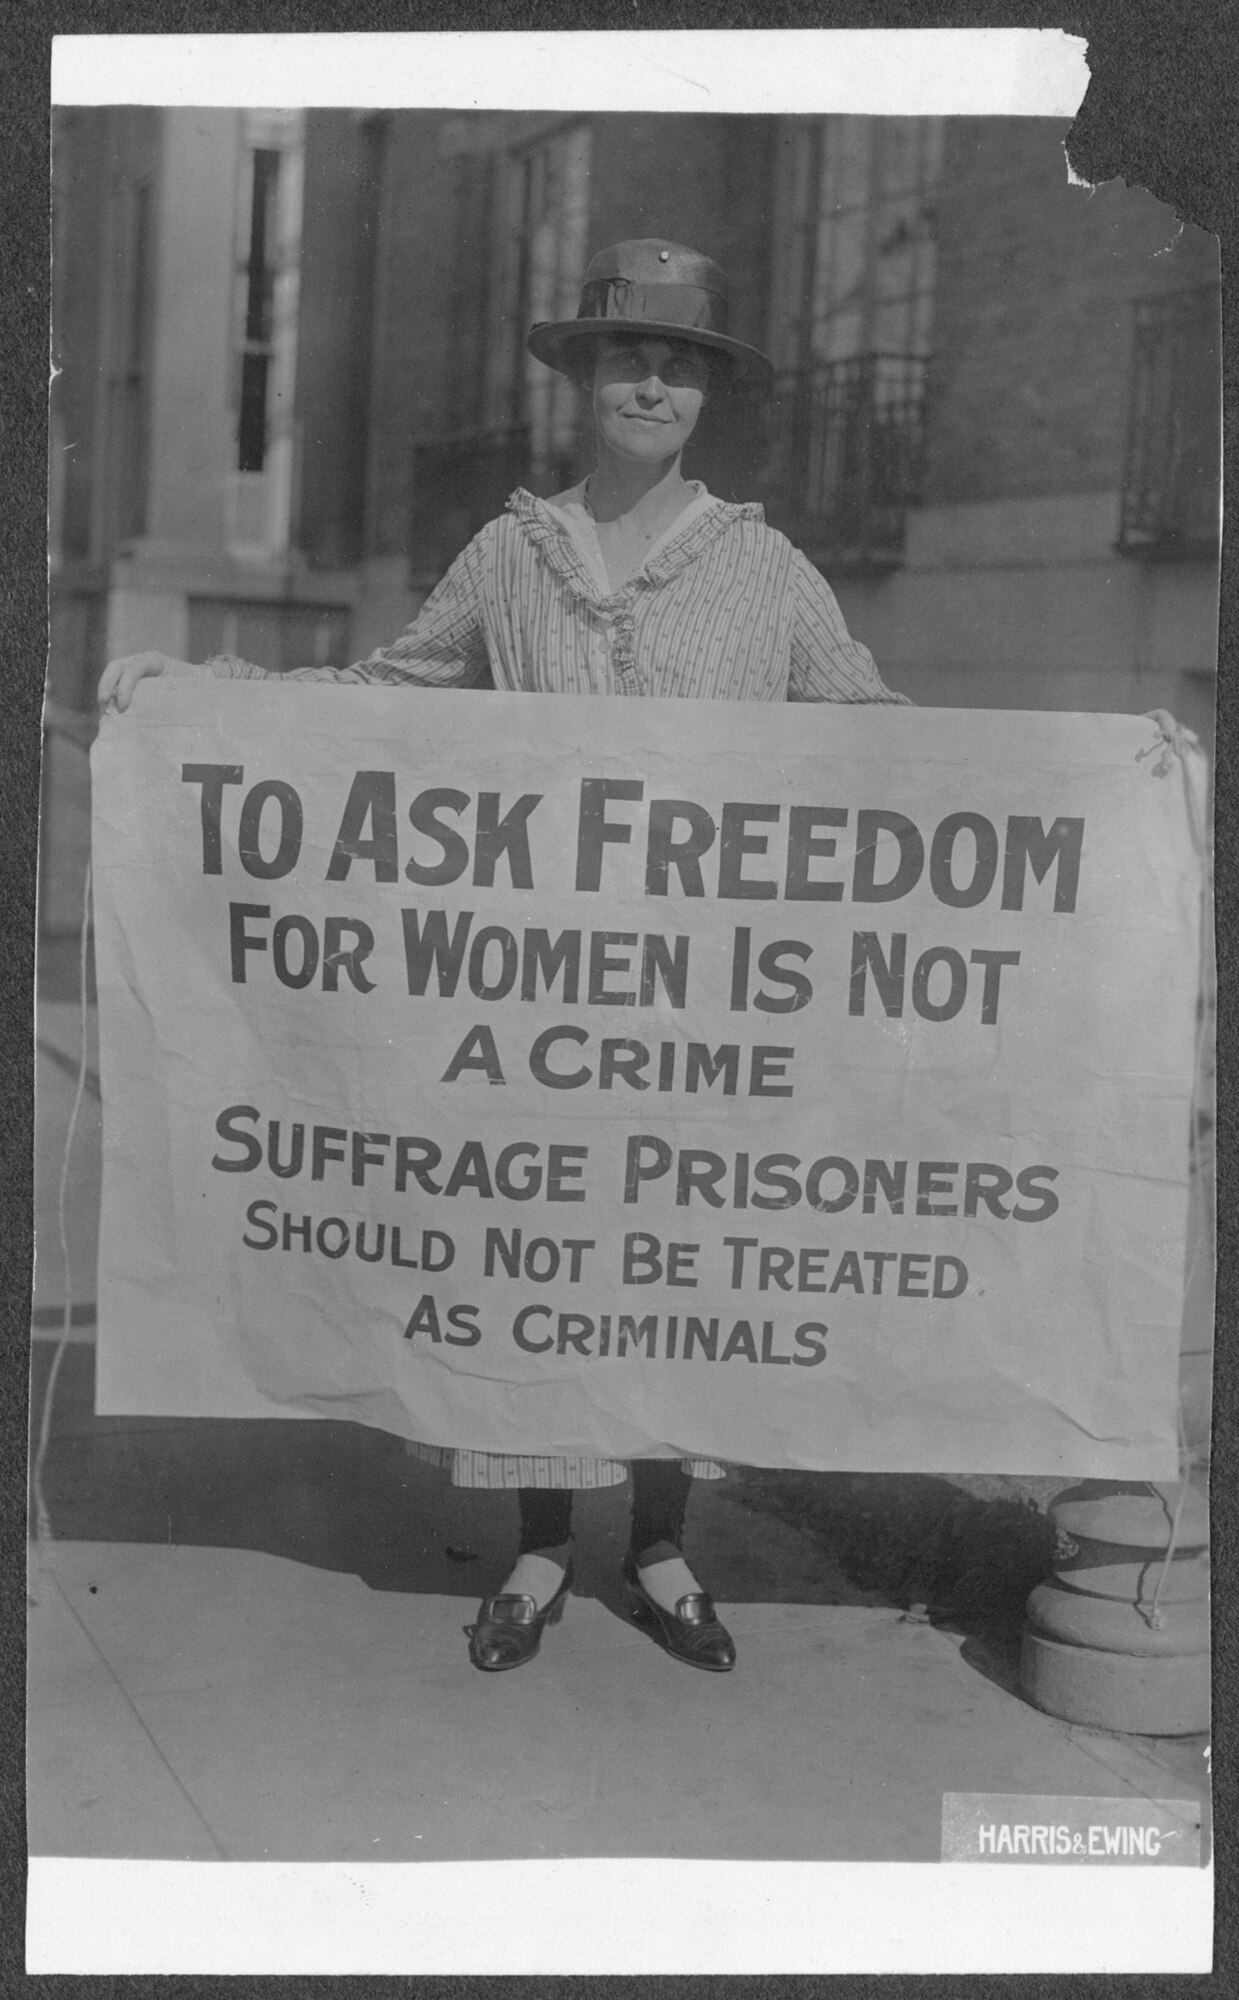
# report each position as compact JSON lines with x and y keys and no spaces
{"x":293,"y":380}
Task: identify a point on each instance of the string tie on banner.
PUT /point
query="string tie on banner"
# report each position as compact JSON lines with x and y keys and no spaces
{"x":42,"y":1517}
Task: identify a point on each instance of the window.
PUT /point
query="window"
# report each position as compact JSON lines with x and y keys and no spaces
{"x":856,"y":247}
{"x":265,"y":332}
{"x":542,"y":243}
{"x":854,"y":269}
{"x":1172,"y":468}
{"x":257,"y":351}
{"x":525,"y":217}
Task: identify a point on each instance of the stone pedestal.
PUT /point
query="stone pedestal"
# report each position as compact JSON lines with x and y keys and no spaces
{"x":1117,"y":1637}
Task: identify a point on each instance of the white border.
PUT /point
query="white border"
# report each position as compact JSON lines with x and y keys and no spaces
{"x":620,"y":1916}
{"x":1030,"y":72}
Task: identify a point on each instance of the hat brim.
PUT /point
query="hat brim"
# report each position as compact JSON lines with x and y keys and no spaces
{"x":552,"y":339}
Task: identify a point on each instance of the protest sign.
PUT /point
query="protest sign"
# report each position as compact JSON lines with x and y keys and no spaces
{"x":804,"y":1086}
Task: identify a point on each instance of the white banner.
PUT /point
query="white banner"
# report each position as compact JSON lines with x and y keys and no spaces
{"x":803,"y":1086}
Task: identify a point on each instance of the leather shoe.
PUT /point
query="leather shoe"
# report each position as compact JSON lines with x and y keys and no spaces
{"x":509,"y":1628}
{"x":691,"y":1632}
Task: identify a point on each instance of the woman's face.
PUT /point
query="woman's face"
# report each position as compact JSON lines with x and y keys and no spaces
{"x":648,"y":395}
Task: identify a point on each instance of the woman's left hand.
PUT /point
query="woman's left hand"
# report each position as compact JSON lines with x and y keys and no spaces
{"x":1176,"y":738}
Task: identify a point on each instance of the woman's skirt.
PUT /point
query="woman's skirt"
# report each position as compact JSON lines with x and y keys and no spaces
{"x":498,"y":1471}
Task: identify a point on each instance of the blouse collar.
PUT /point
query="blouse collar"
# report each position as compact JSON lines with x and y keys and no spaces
{"x":565,"y":535}
{"x":574,"y":510}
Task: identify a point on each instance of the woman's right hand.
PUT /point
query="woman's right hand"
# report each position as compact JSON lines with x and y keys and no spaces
{"x":120,"y":677}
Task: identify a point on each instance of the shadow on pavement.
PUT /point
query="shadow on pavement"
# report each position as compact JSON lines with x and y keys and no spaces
{"x":339,"y":1496}
{"x":336,"y":1496}
{"x":943,"y":1555}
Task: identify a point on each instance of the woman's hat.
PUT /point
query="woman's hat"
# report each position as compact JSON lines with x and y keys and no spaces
{"x":651,"y":288}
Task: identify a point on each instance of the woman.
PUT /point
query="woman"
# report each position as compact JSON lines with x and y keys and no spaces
{"x":637,"y":581}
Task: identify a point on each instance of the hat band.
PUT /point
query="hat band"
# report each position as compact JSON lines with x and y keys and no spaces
{"x":689,"y":306}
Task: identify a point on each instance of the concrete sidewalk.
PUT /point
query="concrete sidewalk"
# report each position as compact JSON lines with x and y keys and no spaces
{"x":198,"y":1702}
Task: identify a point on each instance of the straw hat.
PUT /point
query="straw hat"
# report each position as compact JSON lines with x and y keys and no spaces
{"x":660,"y":290}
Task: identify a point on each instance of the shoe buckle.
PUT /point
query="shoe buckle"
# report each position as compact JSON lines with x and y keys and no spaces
{"x":513,"y":1610}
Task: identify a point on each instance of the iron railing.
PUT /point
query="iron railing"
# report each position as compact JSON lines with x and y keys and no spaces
{"x":1172,"y":466}
{"x":848,"y":440}
{"x":461,"y":482}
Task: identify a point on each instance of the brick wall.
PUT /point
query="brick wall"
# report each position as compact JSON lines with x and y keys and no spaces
{"x":79,"y":187}
{"x":416,"y":255}
{"x":102,"y":323}
{"x":1033,"y":316}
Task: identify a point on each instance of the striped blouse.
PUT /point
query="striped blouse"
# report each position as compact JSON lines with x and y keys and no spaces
{"x":722,"y":607}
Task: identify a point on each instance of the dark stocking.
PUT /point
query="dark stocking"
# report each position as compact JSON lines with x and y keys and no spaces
{"x":546,"y":1519}
{"x":660,"y":1489}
